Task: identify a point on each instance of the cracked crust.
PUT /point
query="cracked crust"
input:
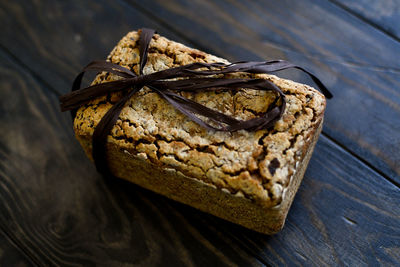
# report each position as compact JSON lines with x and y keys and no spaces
{"x":257,"y":166}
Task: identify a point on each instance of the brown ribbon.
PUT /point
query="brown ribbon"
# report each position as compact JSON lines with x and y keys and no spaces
{"x":193,"y":80}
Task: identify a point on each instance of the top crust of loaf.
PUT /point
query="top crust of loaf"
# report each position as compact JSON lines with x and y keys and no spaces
{"x":255,"y":165}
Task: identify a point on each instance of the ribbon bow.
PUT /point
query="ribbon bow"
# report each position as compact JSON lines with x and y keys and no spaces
{"x":192,"y":79}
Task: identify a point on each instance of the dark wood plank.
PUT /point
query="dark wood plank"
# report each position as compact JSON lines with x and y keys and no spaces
{"x":317,"y":29}
{"x":10,"y":255}
{"x":55,"y":39}
{"x":383,"y":14}
{"x":63,"y":213}
{"x":354,"y":59}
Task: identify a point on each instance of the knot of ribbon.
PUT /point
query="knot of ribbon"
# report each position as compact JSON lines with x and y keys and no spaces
{"x":192,"y":77}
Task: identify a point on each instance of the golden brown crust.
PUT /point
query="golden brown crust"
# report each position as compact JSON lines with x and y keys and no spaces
{"x":258,"y":166}
{"x":206,"y":197}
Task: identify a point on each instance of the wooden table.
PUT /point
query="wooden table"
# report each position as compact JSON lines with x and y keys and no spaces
{"x":56,"y":210}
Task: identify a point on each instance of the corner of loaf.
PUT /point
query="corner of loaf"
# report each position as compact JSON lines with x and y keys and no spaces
{"x":249,"y":178}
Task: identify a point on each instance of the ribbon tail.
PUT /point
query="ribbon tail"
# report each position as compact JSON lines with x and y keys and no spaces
{"x":103,"y":129}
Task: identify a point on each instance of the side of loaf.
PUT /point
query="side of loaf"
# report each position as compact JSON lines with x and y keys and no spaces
{"x":249,"y":178}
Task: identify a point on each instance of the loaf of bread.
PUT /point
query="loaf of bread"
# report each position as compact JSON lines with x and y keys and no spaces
{"x":249,"y":178}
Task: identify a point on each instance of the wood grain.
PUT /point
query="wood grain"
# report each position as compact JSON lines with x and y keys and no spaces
{"x":55,"y":39}
{"x":62,"y":212}
{"x":355,"y":60}
{"x":383,"y":14}
{"x":11,"y":255}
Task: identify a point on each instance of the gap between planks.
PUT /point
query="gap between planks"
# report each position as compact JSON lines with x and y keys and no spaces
{"x":364,"y":19}
{"x":366,"y":163}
